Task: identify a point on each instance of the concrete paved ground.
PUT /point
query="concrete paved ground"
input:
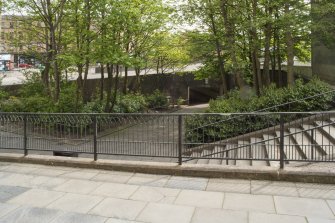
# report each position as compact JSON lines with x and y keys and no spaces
{"x":36,"y":193}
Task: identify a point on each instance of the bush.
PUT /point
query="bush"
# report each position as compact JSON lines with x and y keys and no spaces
{"x":130,"y":103}
{"x":214,"y":128}
{"x":67,"y":102}
{"x":12,"y":104}
{"x":157,"y":100}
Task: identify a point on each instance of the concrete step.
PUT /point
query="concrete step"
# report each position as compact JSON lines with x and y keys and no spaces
{"x":230,"y":154}
{"x":243,"y":153}
{"x":327,"y":128}
{"x":204,"y":153}
{"x":323,"y":143}
{"x":290,"y":148}
{"x":272,"y":149}
{"x":258,"y":152}
{"x":304,"y":143}
{"x":217,"y":153}
{"x":194,"y":155}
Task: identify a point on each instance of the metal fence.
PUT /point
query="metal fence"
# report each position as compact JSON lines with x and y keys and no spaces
{"x":262,"y":139}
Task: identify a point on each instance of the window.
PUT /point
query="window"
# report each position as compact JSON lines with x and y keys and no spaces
{"x":11,"y":25}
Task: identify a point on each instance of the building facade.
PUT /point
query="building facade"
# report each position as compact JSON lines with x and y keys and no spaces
{"x":15,"y":42}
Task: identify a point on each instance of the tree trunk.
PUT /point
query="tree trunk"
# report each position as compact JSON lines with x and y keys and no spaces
{"x":254,"y":47}
{"x":109,"y":87}
{"x":289,"y":49}
{"x":230,"y":38}
{"x":223,"y":88}
{"x":85,"y":93}
{"x":268,"y":35}
{"x":116,"y":86}
{"x":102,"y":72}
{"x":138,"y":80}
{"x":125,"y":84}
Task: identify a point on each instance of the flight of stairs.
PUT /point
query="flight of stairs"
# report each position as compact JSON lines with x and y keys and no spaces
{"x":304,"y":140}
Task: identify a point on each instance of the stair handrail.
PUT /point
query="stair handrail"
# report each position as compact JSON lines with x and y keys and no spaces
{"x":260,"y":142}
{"x":268,"y":108}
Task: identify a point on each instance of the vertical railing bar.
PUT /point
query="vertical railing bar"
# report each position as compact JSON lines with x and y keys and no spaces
{"x":25,"y":138}
{"x":180,"y":138}
{"x":95,"y":137}
{"x":281,"y":146}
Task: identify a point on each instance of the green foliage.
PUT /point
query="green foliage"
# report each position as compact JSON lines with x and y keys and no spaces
{"x":37,"y":104}
{"x":3,"y":95}
{"x":67,"y":102}
{"x":312,"y":96}
{"x":33,"y":86}
{"x":157,"y":100}
{"x":130,"y":103}
{"x":272,"y":97}
{"x":12,"y":104}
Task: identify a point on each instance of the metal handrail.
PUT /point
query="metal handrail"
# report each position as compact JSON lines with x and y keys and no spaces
{"x":260,"y":142}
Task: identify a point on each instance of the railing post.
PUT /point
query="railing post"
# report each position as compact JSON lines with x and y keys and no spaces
{"x":180,"y":138}
{"x":95,"y":136}
{"x":281,"y":142}
{"x":312,"y":141}
{"x":25,"y":137}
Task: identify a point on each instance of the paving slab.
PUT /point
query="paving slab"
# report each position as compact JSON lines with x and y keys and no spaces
{"x":53,"y":182}
{"x":190,"y":183}
{"x":114,"y":220}
{"x":303,"y":207}
{"x":331,"y":204}
{"x":206,"y":199}
{"x":115,"y":190}
{"x":110,"y":177}
{"x":52,"y":172}
{"x":273,"y":183}
{"x":166,"y":213}
{"x":274,"y":190}
{"x":79,"y":218}
{"x":34,"y":182}
{"x":31,"y":215}
{"x":8,"y":192}
{"x":36,"y":198}
{"x":228,"y":187}
{"x":155,"y":194}
{"x":249,"y":202}
{"x":320,"y":220}
{"x":149,"y":180}
{"x":78,"y":186}
{"x":316,"y":186}
{"x":19,"y":169}
{"x":207,"y":215}
{"x":118,"y":208}
{"x":316,"y":193}
{"x":16,"y":179}
{"x":257,"y":217}
{"x":84,"y":174}
{"x":6,"y":208}
{"x":75,"y":203}
{"x":228,"y":181}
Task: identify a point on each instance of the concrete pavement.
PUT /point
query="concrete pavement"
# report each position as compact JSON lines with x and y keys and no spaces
{"x":36,"y":193}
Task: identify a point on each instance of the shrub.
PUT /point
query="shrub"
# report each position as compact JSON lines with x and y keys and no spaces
{"x":213,"y":128}
{"x":130,"y":103}
{"x":157,"y":100}
{"x":67,"y":102}
{"x":12,"y":104}
{"x":37,"y":104}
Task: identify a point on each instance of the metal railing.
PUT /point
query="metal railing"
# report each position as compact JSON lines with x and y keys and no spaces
{"x":269,"y":139}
